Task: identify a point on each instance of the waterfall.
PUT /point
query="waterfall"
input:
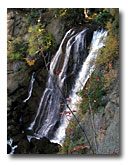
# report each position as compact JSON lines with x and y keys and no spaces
{"x":30,"y":88}
{"x":87,"y":68}
{"x":71,"y":57}
{"x":68,"y":59}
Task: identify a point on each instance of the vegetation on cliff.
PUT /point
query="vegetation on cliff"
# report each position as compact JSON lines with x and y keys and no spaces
{"x":37,"y":36}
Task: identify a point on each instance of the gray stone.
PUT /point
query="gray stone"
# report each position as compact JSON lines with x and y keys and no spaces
{"x":17,"y":66}
{"x":55,"y":28}
{"x":110,"y":142}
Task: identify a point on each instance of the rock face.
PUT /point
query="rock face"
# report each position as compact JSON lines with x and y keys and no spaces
{"x":53,"y":25}
{"x":20,"y":114}
{"x":15,"y":25}
{"x":35,"y":146}
{"x":111,"y":123}
{"x":8,"y":149}
{"x":102,"y":128}
{"x":43,"y":146}
{"x":108,"y":121}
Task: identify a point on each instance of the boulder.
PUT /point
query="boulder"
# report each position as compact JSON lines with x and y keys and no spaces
{"x":43,"y":146}
{"x":23,"y":147}
{"x":18,"y":138}
{"x":9,"y":149}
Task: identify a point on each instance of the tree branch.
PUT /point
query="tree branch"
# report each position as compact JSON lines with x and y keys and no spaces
{"x":71,"y":110}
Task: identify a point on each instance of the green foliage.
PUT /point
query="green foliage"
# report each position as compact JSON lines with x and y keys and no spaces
{"x":108,"y":56}
{"x":65,"y":147}
{"x":70,"y":16}
{"x":92,"y":94}
{"x":17,"y":49}
{"x":103,"y":17}
{"x":39,"y":39}
{"x":32,"y":14}
{"x":73,"y":140}
{"x":24,"y":67}
{"x":59,"y":12}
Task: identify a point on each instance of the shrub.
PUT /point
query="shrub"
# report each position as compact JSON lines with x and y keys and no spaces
{"x":108,"y":56}
{"x":39,"y":39}
{"x":108,"y":53}
{"x":103,"y":17}
{"x":70,"y":16}
{"x":92,"y":93}
{"x":17,"y":49}
{"x":33,"y":14}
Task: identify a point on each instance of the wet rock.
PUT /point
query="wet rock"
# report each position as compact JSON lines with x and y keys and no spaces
{"x":52,"y":149}
{"x":11,"y":127}
{"x":26,"y":119}
{"x":43,"y":146}
{"x":15,"y":115}
{"x":34,"y":145}
{"x":8,"y":149}
{"x":12,"y":130}
{"x":18,"y":138}
{"x":44,"y":141}
{"x":9,"y":103}
{"x":15,"y":132}
{"x":23,"y":147}
{"x":9,"y":114}
{"x":11,"y":122}
{"x":41,"y":77}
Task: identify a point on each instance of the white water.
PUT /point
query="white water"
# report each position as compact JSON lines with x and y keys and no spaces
{"x":78,"y":39}
{"x":98,"y":42}
{"x":30,"y":88}
{"x":39,"y":108}
{"x":50,"y":86}
{"x":9,"y":142}
{"x":49,"y":107}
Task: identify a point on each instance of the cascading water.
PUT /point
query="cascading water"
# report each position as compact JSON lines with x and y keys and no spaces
{"x":87,"y":68}
{"x":71,"y":57}
{"x":9,"y":142}
{"x":68,"y":59}
{"x":30,"y":88}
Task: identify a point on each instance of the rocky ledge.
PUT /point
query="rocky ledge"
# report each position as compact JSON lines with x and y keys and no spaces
{"x":35,"y":146}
